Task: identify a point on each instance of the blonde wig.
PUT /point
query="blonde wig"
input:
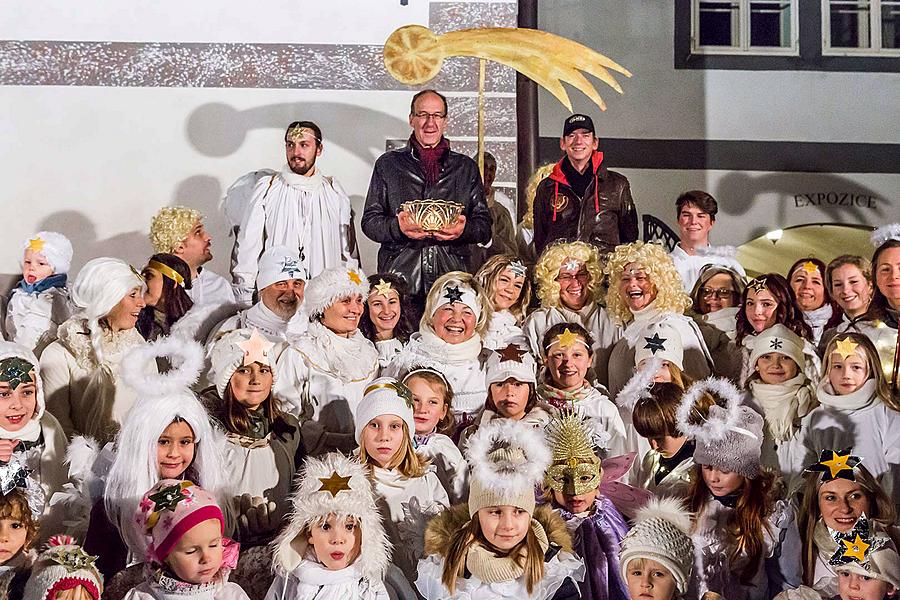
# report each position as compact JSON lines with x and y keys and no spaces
{"x":542,"y":173}
{"x":490,"y":271}
{"x":551,"y":260}
{"x":170,"y":226}
{"x":658,"y":265}
{"x":434,"y":300}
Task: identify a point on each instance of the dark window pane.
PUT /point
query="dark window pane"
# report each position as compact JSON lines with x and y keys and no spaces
{"x":715,"y":27}
{"x":850,"y":24}
{"x":770,"y":24}
{"x":890,"y":25}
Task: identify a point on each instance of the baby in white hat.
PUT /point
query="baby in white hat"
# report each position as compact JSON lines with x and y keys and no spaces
{"x":41,"y":301}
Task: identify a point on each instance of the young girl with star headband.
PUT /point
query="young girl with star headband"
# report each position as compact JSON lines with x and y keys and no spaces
{"x":264,"y":444}
{"x":856,"y":411}
{"x":407,"y":485}
{"x":838,"y":491}
{"x":504,"y":280}
{"x":387,"y":320}
{"x":40,"y":302}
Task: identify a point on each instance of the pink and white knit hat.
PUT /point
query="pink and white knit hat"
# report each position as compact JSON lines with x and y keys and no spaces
{"x":169,"y":510}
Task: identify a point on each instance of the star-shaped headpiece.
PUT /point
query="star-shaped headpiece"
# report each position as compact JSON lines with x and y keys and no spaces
{"x":835,"y":465}
{"x":517,"y":267}
{"x":452,"y":294}
{"x":776,"y":343}
{"x":36,"y":244}
{"x":167,"y":499}
{"x":758,"y":284}
{"x":334,"y":484}
{"x":511,"y":353}
{"x":566,"y":338}
{"x":354,"y":277}
{"x":810,"y":267}
{"x":256,"y":349}
{"x":73,"y":559}
{"x":15,"y":371}
{"x":382,"y":288}
{"x":13,"y":475}
{"x":655,"y":344}
{"x":857,"y":544}
{"x":845,"y":347}
{"x":573,"y":264}
{"x":291,"y":267}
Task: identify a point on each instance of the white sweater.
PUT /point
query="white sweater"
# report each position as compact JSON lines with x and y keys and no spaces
{"x":312,"y":581}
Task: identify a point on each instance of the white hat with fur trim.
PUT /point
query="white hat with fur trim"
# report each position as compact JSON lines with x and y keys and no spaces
{"x":55,"y":247}
{"x":235,"y":349}
{"x":331,"y":285}
{"x":340,"y":486}
{"x":661,"y":532}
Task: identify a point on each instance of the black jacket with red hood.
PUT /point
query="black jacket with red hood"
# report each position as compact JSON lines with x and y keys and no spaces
{"x":605,"y":217}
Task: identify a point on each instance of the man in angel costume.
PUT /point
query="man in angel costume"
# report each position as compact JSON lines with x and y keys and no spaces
{"x":300,"y":208}
{"x":425,"y":169}
{"x":696,"y":211}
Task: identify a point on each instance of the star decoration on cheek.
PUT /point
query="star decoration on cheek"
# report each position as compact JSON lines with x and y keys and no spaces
{"x":655,"y":344}
{"x":810,"y":267}
{"x":567,"y":338}
{"x":835,"y":465}
{"x":845,"y":347}
{"x":775,"y":344}
{"x":334,"y":484}
{"x":256,"y":349}
{"x":382,"y":288}
{"x":36,"y":244}
{"x":452,"y":294}
{"x":511,"y":353}
{"x":75,"y":559}
{"x":354,"y":277}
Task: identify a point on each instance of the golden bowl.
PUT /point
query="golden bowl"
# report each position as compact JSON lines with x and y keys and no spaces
{"x":431,"y":214}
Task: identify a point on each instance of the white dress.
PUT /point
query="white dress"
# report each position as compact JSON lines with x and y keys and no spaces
{"x":32,"y":319}
{"x":448,"y":461}
{"x":310,"y":580}
{"x":689,"y":266}
{"x":388,"y":350}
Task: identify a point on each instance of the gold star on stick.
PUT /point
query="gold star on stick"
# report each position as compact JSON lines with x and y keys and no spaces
{"x":810,"y":267}
{"x":354,"y":277}
{"x":36,"y":244}
{"x":256,"y":349}
{"x":837,"y":463}
{"x":567,"y":338}
{"x":845,"y":347}
{"x":382,"y":288}
{"x":334,"y":484}
{"x":856,"y":549}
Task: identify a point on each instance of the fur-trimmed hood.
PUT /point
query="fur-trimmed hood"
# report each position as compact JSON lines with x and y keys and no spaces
{"x":442,"y":526}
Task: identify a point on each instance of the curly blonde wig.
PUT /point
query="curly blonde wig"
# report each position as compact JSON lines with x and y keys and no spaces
{"x":538,"y":176}
{"x":552,"y":258}
{"x":656,"y":262}
{"x":490,"y":271}
{"x":170,"y":226}
{"x":434,"y":300}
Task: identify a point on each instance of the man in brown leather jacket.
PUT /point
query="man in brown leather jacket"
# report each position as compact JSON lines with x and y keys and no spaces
{"x":581,"y":199}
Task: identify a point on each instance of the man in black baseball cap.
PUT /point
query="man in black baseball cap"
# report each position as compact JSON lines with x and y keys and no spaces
{"x":581,"y":199}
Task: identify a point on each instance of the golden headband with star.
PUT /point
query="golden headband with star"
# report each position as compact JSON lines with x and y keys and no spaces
{"x":383,"y":288}
{"x":167,"y":271}
{"x":566,"y":339}
{"x":835,"y":465}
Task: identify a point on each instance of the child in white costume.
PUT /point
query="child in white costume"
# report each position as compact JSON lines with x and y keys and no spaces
{"x":408,"y":487}
{"x":335,"y":547}
{"x":499,"y":546}
{"x":40,"y":303}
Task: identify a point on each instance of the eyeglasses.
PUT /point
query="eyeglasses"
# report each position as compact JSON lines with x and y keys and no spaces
{"x":426,"y":115}
{"x":719,"y":293}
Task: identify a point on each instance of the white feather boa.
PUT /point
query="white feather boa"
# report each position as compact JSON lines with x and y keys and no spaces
{"x":185,"y":357}
{"x":638,"y":387}
{"x":712,"y":429}
{"x":504,"y":433}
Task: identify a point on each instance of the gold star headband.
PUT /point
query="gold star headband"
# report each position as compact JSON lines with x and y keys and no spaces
{"x":835,"y":465}
{"x":845,"y":347}
{"x":299,"y":132}
{"x":167,"y":271}
{"x":256,"y":349}
{"x":566,"y":339}
{"x":335,"y":484}
{"x":810,"y":267}
{"x":382,"y":288}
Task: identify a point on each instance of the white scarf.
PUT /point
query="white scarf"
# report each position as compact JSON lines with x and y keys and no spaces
{"x":817,"y":319}
{"x":434,"y":346}
{"x":642,"y":318}
{"x":306,"y":183}
{"x":348,"y":359}
{"x":504,"y":329}
{"x":30,"y":433}
{"x":861,"y":398}
{"x":723,"y":320}
{"x":783,"y":404}
{"x":259,"y":316}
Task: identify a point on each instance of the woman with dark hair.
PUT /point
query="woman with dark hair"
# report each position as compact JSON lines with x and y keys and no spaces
{"x":767,"y":300}
{"x":820,"y":311}
{"x":885,"y":306}
{"x":167,"y":278}
{"x":387,"y":321}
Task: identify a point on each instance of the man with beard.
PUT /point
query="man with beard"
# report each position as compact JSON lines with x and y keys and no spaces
{"x":298,"y":207}
{"x":278,"y":314}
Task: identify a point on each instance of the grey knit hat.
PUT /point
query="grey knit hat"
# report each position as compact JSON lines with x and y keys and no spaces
{"x":661,"y":532}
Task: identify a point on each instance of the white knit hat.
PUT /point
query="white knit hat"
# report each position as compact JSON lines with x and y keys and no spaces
{"x":331,"y":285}
{"x":235,"y":349}
{"x":278,"y":263}
{"x":662,"y":341}
{"x":64,"y":565}
{"x":385,"y":396}
{"x":511,"y":362}
{"x":661,"y":532}
{"x":781,"y":340}
{"x":13,"y":350}
{"x":101,"y":284}
{"x":507,"y":460}
{"x":55,"y":247}
{"x":340,"y":486}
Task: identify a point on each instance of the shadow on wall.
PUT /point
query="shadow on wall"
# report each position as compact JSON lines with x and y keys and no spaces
{"x":739,"y":193}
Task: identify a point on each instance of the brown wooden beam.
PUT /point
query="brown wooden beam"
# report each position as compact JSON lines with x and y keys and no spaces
{"x":526,"y":113}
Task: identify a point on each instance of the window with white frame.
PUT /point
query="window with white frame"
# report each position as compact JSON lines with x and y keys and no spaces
{"x":745,"y":27}
{"x":868,"y":27}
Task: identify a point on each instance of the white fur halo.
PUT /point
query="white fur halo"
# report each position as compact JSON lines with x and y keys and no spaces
{"x":712,"y":429}
{"x":503,"y":433}
{"x":639,"y":385}
{"x":885,"y":233}
{"x":139,"y":366}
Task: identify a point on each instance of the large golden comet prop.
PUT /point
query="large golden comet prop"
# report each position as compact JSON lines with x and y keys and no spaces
{"x":414,"y":55}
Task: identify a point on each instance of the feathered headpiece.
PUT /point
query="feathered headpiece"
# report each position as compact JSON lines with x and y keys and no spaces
{"x":508,"y":459}
{"x":575,"y":468}
{"x":139,"y":367}
{"x":885,"y":233}
{"x":638,"y":387}
{"x":835,"y":465}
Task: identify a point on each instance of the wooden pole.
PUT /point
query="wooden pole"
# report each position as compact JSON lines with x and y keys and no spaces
{"x":481,"y":68}
{"x":526,"y":115}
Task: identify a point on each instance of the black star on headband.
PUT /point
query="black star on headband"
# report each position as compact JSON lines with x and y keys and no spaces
{"x":835,"y":465}
{"x":655,"y":344}
{"x":857,"y":544}
{"x":452,"y":294}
